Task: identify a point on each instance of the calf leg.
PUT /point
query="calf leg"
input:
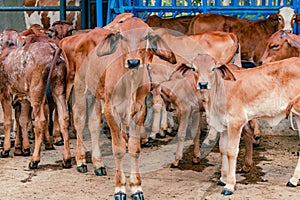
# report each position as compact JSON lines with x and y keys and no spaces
{"x":195,"y":131}
{"x":157,"y":108}
{"x":223,"y":143}
{"x":164,"y":121}
{"x":119,"y":150}
{"x":22,"y":117}
{"x":7,"y":114}
{"x":46,"y":137}
{"x":18,"y":141}
{"x":293,"y":182}
{"x":234,"y":135}
{"x":58,"y":140}
{"x":95,"y":128}
{"x":39,"y":130}
{"x":134,"y":149}
{"x":24,"y":121}
{"x":256,"y":133}
{"x":79,"y":113}
{"x":63,"y":119}
{"x":183,"y":116}
{"x":248,"y":133}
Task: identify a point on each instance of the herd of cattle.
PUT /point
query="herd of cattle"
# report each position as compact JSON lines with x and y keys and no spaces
{"x":193,"y":64}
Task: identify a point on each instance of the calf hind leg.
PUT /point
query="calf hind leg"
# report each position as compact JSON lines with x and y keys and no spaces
{"x":293,"y":182}
{"x":7,"y":125}
{"x":95,"y":127}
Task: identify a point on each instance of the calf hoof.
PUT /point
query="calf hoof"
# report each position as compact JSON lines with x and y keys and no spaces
{"x":289,"y":184}
{"x":50,"y":147}
{"x":18,"y":151}
{"x":174,"y":164}
{"x":26,"y":152}
{"x":151,"y":140}
{"x":59,"y":143}
{"x":256,"y":141}
{"x":221,"y":183}
{"x":101,"y":171}
{"x":82,"y":168}
{"x":138,"y":196}
{"x":196,"y":160}
{"x":245,"y":170}
{"x":226,"y":192}
{"x":67,"y":163}
{"x":33,"y":164}
{"x":120,"y":196}
{"x":158,"y":135}
{"x":146,"y":145}
{"x":4,"y":154}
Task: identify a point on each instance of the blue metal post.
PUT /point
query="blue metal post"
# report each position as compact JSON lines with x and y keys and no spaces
{"x":99,"y":13}
{"x":62,"y":13}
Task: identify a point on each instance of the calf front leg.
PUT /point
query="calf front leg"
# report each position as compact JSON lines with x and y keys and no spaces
{"x":119,"y":150}
{"x":134,"y":149}
{"x":195,"y":132}
{"x":234,"y":135}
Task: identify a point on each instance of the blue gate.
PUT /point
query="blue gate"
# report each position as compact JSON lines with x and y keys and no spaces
{"x":250,"y":9}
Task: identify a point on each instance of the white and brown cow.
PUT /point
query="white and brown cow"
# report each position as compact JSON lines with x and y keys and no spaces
{"x":116,"y":72}
{"x":235,"y":97}
{"x":47,"y":18}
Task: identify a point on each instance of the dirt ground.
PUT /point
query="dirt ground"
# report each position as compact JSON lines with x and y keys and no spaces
{"x":274,"y":163}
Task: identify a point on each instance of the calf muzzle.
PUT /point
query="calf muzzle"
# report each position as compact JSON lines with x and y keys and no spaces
{"x":202,"y":85}
{"x":133,"y":63}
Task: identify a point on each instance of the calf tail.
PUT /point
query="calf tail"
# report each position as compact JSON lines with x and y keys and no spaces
{"x":48,"y":88}
{"x":288,"y":109}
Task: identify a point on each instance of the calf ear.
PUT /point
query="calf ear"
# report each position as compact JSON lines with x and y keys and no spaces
{"x":297,"y":20}
{"x":109,"y":44}
{"x":226,"y":72}
{"x":273,"y":19}
{"x":160,"y":48}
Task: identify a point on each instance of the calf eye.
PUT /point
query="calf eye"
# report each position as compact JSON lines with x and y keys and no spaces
{"x":274,"y":46}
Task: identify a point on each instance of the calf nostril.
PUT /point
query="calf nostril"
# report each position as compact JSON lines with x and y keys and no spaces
{"x":203,"y":85}
{"x":133,"y":63}
{"x":260,"y":63}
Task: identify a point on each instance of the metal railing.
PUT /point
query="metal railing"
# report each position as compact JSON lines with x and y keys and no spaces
{"x":252,"y":9}
{"x":83,"y":8}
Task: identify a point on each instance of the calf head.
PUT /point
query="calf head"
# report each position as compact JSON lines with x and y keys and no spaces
{"x":286,"y":18}
{"x":9,"y":38}
{"x":136,"y":43}
{"x":281,"y":45}
{"x":61,"y":29}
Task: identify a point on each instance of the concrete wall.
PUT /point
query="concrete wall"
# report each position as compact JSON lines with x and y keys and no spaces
{"x":14,"y":20}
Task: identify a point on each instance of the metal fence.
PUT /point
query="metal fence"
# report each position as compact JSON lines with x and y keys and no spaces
{"x":250,"y":9}
{"x":62,"y":8}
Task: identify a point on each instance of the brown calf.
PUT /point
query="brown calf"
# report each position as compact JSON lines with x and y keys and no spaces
{"x":236,"y":99}
{"x":116,"y":72}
